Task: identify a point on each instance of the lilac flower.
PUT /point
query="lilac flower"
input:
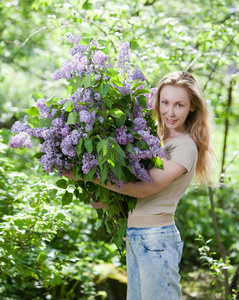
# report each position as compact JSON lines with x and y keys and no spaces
{"x":126,"y":89}
{"x":75,"y":136}
{"x":85,"y":116}
{"x":130,"y":138}
{"x":89,"y":162}
{"x":67,"y":148}
{"x":20,"y":140}
{"x":123,"y":61}
{"x":121,"y":136}
{"x":94,"y":43}
{"x":150,"y":97}
{"x":101,"y":119}
{"x":19,"y":127}
{"x":57,"y":122}
{"x":99,"y":59}
{"x":139,"y":124}
{"x":88,"y":95}
{"x":139,"y":172}
{"x":112,"y":178}
{"x":137,"y":74}
{"x":137,"y":110}
{"x":65,"y":130}
{"x":46,"y":134}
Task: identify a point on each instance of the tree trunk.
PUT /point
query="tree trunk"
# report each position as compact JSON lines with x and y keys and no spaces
{"x":218,"y":238}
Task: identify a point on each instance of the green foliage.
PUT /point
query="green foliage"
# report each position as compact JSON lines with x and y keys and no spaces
{"x":198,"y":36}
{"x":43,"y":243}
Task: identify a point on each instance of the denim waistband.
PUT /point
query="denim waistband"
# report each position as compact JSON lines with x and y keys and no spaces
{"x":170,"y":230}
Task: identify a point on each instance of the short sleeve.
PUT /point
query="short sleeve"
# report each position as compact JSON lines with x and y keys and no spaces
{"x":183,"y":152}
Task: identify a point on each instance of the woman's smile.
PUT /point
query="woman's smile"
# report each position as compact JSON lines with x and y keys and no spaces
{"x":175,"y":106}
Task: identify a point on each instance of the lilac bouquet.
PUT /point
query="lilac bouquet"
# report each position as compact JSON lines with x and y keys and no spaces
{"x":103,"y":129}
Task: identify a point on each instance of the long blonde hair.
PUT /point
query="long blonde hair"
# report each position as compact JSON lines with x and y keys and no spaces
{"x":197,"y":122}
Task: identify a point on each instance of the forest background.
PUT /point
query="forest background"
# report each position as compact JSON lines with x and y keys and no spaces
{"x":50,"y":251}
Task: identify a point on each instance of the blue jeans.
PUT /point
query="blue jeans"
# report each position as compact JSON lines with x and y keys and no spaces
{"x":153,"y":256}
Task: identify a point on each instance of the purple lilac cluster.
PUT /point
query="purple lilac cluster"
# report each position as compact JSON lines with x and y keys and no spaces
{"x":122,"y":136}
{"x":58,"y":142}
{"x":89,"y":162}
{"x":86,"y":60}
{"x":123,"y":62}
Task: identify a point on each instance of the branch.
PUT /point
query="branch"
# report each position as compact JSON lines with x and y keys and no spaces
{"x":217,"y":62}
{"x":41,"y":29}
{"x":25,"y":69}
{"x":193,"y":62}
{"x":218,"y":238}
{"x":229,"y":103}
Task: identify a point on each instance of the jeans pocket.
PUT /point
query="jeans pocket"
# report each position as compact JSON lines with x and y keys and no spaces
{"x":158,"y":245}
{"x":179,"y":248}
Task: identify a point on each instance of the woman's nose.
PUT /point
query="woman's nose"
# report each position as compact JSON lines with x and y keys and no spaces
{"x":171,"y":111}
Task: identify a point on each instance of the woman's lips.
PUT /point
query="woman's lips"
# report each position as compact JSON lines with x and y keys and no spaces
{"x":171,"y":121}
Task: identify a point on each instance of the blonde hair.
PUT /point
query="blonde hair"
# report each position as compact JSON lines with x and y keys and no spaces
{"x":197,"y":122}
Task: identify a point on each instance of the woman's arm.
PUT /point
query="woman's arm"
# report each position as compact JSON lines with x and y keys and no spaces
{"x":140,"y":189}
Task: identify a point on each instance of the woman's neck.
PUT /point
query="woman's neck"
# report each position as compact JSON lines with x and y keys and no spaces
{"x":168,"y":135}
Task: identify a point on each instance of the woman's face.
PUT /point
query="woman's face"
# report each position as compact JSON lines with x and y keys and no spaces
{"x":174,"y":107}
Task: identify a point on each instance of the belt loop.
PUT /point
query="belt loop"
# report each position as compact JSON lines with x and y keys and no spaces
{"x":126,"y":239}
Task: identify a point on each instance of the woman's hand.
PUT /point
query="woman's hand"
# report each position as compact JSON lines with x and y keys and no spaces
{"x":97,"y":205}
{"x":69,"y":175}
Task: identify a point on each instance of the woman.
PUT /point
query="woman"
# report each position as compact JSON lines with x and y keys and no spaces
{"x":154,"y":245}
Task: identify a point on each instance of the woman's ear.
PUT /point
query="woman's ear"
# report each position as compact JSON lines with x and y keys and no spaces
{"x":192,"y":108}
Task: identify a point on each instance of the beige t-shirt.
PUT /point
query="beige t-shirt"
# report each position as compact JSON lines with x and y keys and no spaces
{"x":159,"y":208}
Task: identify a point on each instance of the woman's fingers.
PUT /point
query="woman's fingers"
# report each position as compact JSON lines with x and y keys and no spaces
{"x":97,"y":205}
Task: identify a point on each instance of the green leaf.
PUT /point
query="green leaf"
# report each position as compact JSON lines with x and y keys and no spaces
{"x":157,"y":162}
{"x":108,"y":101}
{"x":111,"y":72}
{"x":103,"y":145}
{"x":90,"y":175}
{"x":86,"y":5}
{"x":121,"y":121}
{"x":104,"y":89}
{"x":89,"y":145}
{"x":75,"y":170}
{"x":129,"y":147}
{"x":53,"y":100}
{"x":101,"y":42}
{"x":71,"y":89}
{"x":118,"y":240}
{"x":39,"y":155}
{"x":67,"y":198}
{"x":98,"y":224}
{"x":76,"y":82}
{"x":142,"y":145}
{"x":79,"y":146}
{"x":142,"y":101}
{"x":112,"y":156}
{"x":122,"y":227}
{"x":73,"y":118}
{"x":140,"y":91}
{"x":33,"y":111}
{"x":42,"y":257}
{"x":117,"y":147}
{"x":89,"y":81}
{"x":116,"y":112}
{"x":136,"y":85}
{"x":33,"y":122}
{"x":62,"y":183}
{"x":68,"y":106}
{"x":45,"y":123}
{"x":36,"y":96}
{"x":117,"y":82}
{"x":104,"y":173}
